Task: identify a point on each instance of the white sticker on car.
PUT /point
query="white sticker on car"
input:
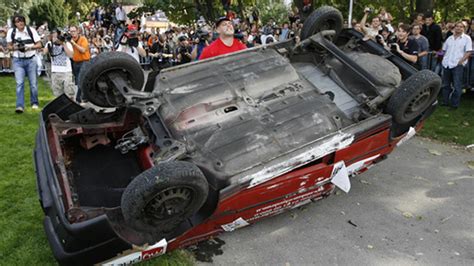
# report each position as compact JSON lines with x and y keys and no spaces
{"x":354,"y":168}
{"x":340,"y":176}
{"x":148,"y":253}
{"x":409,"y":135}
{"x":239,"y":223}
{"x":340,"y":173}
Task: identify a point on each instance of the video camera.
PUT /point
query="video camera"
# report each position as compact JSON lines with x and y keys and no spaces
{"x":21,"y":45}
{"x":202,"y":35}
{"x":64,"y":36}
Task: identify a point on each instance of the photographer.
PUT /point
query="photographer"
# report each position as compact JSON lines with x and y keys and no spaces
{"x":81,"y":54}
{"x":130,"y":44}
{"x":385,"y":37}
{"x":60,"y":50}
{"x":24,"y":40}
{"x":183,"y":52}
{"x":405,"y":48}
{"x":161,"y":53}
{"x":201,"y":41}
{"x":373,"y":30}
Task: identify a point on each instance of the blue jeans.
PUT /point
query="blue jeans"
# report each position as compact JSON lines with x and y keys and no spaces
{"x":76,"y":70}
{"x":423,"y":62}
{"x":452,"y":95}
{"x":435,"y":65}
{"x":24,"y":67}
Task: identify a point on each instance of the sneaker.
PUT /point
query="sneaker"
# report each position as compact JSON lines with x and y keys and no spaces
{"x":19,"y":110}
{"x":34,"y":106}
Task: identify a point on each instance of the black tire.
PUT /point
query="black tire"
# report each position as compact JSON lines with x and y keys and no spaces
{"x":163,"y":196}
{"x":323,"y":18}
{"x":97,"y":70}
{"x":414,"y":96}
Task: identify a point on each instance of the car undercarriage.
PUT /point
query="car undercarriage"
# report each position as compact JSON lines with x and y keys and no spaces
{"x":218,"y":144}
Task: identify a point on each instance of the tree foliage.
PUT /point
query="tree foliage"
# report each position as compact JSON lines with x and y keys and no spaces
{"x":406,"y":10}
{"x":272,"y":9}
{"x":9,"y":7}
{"x":187,"y":11}
{"x":51,"y":11}
{"x":84,"y":7}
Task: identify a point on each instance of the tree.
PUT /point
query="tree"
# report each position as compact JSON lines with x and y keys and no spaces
{"x":424,"y":6}
{"x":9,"y":7}
{"x":187,"y":11}
{"x":84,"y":7}
{"x":51,"y":11}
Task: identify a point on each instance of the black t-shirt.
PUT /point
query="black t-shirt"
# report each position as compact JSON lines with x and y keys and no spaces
{"x":183,"y":50}
{"x":160,"y":62}
{"x":434,"y":35}
{"x":160,"y":48}
{"x":409,"y":47}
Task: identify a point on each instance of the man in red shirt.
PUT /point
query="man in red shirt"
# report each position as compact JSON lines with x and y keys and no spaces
{"x":226,"y":43}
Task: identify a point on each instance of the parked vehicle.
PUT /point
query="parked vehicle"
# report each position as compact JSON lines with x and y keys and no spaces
{"x":219,"y":144}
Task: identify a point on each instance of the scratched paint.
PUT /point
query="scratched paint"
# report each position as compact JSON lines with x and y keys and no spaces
{"x":184,"y":89}
{"x":355,"y":167}
{"x":337,"y":142}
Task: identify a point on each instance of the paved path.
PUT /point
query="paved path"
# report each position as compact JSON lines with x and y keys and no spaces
{"x":415,"y":208}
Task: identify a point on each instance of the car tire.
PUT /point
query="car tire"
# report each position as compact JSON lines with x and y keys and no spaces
{"x":323,"y":18}
{"x":97,"y":69}
{"x":414,"y":96}
{"x":162,"y":197}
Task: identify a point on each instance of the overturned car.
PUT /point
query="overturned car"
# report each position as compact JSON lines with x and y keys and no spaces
{"x":219,"y":144}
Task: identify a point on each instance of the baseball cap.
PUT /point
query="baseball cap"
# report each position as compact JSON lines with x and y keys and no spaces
{"x":221,"y":19}
{"x":182,"y":38}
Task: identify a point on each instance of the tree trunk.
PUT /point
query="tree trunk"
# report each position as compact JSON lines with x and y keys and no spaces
{"x":424,"y":6}
{"x":241,"y":9}
{"x":210,"y":10}
{"x":199,"y":12}
{"x":299,"y":4}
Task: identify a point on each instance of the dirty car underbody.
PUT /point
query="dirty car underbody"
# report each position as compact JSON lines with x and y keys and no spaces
{"x":256,"y":123}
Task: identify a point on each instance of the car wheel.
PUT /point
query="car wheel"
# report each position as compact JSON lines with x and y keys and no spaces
{"x":96,"y":71}
{"x":163,"y":196}
{"x":323,"y":18}
{"x":414,"y":96}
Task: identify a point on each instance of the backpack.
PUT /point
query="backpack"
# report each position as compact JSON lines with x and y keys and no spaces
{"x":26,"y":41}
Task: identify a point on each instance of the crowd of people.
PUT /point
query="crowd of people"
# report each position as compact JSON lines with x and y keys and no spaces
{"x":444,"y":49}
{"x":422,"y":43}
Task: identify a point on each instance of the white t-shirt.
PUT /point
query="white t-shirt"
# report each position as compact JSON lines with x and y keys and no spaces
{"x":133,"y":51}
{"x":120,"y":14}
{"x":455,"y":49}
{"x":23,"y":35}
{"x":60,"y":62}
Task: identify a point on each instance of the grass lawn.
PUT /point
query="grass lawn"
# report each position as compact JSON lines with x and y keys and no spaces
{"x":453,"y":126}
{"x":22,"y":238}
